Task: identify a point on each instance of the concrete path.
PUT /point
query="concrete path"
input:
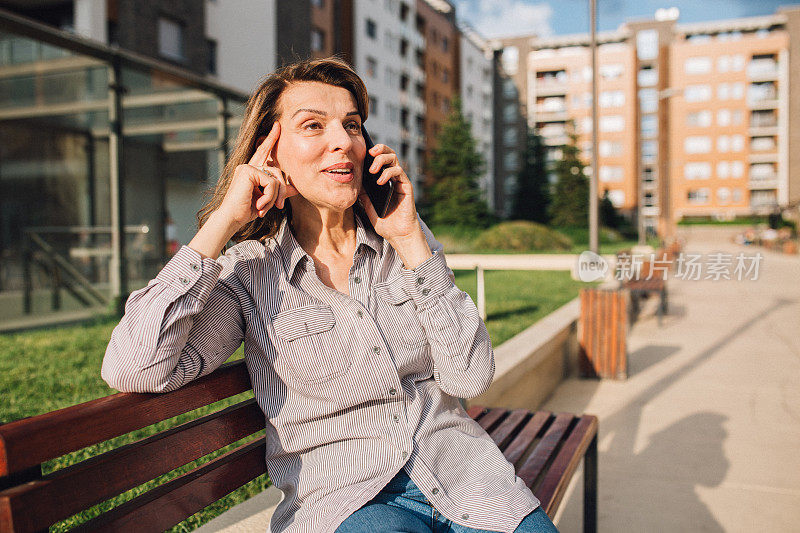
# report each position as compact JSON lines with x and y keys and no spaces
{"x":705,"y":433}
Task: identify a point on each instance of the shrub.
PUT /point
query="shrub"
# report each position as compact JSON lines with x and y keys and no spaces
{"x":521,"y":236}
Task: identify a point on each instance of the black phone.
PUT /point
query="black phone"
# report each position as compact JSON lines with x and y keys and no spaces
{"x":379,"y":195}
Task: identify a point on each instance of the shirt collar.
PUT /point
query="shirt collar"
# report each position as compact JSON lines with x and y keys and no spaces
{"x":292,"y":253}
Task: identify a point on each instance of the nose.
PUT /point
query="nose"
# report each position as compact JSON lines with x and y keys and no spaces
{"x":340,"y":138}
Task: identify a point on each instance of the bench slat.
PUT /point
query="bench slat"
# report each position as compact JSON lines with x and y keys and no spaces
{"x":536,"y":462}
{"x":490,"y":419}
{"x":566,"y":462}
{"x":30,"y":441}
{"x":516,"y":449}
{"x":85,"y":484}
{"x":173,"y":502}
{"x":504,"y":431}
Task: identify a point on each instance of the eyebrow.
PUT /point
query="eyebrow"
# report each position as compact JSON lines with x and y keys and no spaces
{"x":318,"y":112}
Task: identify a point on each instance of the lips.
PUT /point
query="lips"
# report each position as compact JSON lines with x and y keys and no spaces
{"x":341,"y":172}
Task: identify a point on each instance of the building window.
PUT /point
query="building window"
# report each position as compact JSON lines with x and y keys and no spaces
{"x":649,"y":126}
{"x":723,"y":195}
{"x":617,"y":197}
{"x":698,"y":196}
{"x":509,"y":89}
{"x":372,"y":67}
{"x":611,"y":71}
{"x":609,"y":149}
{"x":647,"y":44}
{"x":649,"y":151}
{"x":510,"y":59}
{"x":610,"y":123}
{"x":611,"y":99}
{"x":372,"y":29}
{"x":737,"y":195}
{"x":404,"y":10}
{"x":170,"y":39}
{"x":403,"y":47}
{"x":737,"y":169}
{"x":373,"y":106}
{"x":697,"y":171}
{"x":697,"y":144}
{"x":723,"y":143}
{"x":724,"y":117}
{"x":697,"y":65}
{"x":445,"y":75}
{"x":510,"y":137}
{"x":445,"y":44}
{"x":648,"y":100}
{"x":211,"y":46}
{"x":737,"y":143}
{"x":317,"y":3}
{"x":697,"y":93}
{"x":699,"y":119}
{"x":611,"y":173}
{"x":317,"y":40}
{"x":723,"y":170}
{"x":404,"y":81}
{"x":647,"y":77}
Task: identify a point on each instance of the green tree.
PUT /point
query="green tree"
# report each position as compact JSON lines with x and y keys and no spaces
{"x":454,"y":197}
{"x":570,"y":205}
{"x":609,"y":216}
{"x":532,"y":197}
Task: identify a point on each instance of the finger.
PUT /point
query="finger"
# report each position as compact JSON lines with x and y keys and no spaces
{"x":383,"y":160}
{"x":380,"y":149}
{"x":265,"y":148}
{"x":389,"y":173}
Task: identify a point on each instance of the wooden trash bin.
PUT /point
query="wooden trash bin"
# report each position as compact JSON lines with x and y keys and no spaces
{"x":603,"y":333}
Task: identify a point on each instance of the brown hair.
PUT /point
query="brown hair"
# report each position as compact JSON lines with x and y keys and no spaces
{"x":262,"y":111}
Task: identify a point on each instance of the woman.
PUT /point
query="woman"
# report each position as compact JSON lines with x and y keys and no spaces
{"x":357,"y":341}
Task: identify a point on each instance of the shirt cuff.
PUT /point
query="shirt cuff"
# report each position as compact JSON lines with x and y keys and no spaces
{"x":428,"y":281}
{"x":188,"y":273}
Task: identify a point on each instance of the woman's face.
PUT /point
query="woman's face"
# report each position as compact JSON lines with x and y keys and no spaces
{"x":320,"y":148}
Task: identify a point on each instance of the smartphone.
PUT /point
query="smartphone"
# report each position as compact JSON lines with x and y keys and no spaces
{"x":379,"y":195}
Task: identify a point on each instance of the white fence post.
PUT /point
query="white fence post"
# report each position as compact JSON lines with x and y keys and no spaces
{"x":481,"y":292}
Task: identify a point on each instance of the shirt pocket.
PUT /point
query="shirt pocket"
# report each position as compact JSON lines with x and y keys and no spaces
{"x":400,"y":313}
{"x":315,"y":351}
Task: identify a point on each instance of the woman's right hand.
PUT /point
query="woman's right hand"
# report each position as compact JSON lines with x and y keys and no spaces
{"x":253,"y":190}
{"x":256,"y":186}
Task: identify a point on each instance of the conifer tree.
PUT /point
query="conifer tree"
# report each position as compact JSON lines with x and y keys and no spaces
{"x":532,"y":197}
{"x":455,"y":198}
{"x":570,"y":204}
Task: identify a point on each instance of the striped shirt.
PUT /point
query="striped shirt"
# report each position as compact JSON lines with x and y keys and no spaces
{"x":353,"y":388}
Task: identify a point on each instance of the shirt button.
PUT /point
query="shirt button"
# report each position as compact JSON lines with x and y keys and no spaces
{"x":376,"y":349}
{"x":195,"y":267}
{"x":426,"y":291}
{"x":183,"y":280}
{"x":392,"y":391}
{"x":396,"y":417}
{"x":420,"y":280}
{"x":434,"y":491}
{"x":465,"y":516}
{"x":360,"y":313}
{"x":356,"y":280}
{"x":405,"y":455}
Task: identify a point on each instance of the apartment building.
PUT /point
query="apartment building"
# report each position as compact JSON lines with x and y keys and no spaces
{"x":693,"y":119}
{"x":436,"y":22}
{"x":475,"y":65}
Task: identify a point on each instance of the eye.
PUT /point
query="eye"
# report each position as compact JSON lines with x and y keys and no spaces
{"x":312,"y":125}
{"x":354,"y":127}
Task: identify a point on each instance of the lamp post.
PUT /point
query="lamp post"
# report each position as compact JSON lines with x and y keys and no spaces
{"x":593,"y":211}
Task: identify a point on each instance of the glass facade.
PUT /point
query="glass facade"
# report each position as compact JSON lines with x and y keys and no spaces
{"x":57,"y":160}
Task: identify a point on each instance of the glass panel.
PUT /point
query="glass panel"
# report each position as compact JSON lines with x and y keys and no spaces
{"x":55,"y":167}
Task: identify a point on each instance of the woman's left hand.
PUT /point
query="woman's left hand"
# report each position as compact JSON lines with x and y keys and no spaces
{"x":400,"y":226}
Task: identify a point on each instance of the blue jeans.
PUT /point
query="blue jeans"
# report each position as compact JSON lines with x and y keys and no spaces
{"x":402,"y":508}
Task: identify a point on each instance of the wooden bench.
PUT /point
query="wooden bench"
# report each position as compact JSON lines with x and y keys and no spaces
{"x":546,"y":448}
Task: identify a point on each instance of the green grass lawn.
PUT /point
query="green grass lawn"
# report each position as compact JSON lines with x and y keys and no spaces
{"x":44,"y":370}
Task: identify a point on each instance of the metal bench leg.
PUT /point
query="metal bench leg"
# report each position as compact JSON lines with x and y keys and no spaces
{"x":590,"y":488}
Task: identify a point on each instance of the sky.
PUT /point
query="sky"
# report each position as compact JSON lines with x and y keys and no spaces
{"x":498,"y":18}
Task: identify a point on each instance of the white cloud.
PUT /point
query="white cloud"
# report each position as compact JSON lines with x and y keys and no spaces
{"x":499,"y":18}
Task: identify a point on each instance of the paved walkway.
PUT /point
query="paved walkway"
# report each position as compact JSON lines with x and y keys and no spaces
{"x":705,"y":433}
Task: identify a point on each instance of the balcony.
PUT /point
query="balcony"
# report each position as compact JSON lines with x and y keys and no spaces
{"x":770,"y":157}
{"x":762,"y":103}
{"x":556,"y":140}
{"x":550,"y":87}
{"x":650,"y":210}
{"x":762,"y":70}
{"x":550,"y":115}
{"x":763,"y":183}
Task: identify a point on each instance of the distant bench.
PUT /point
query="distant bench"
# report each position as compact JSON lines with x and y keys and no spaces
{"x":546,"y":449}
